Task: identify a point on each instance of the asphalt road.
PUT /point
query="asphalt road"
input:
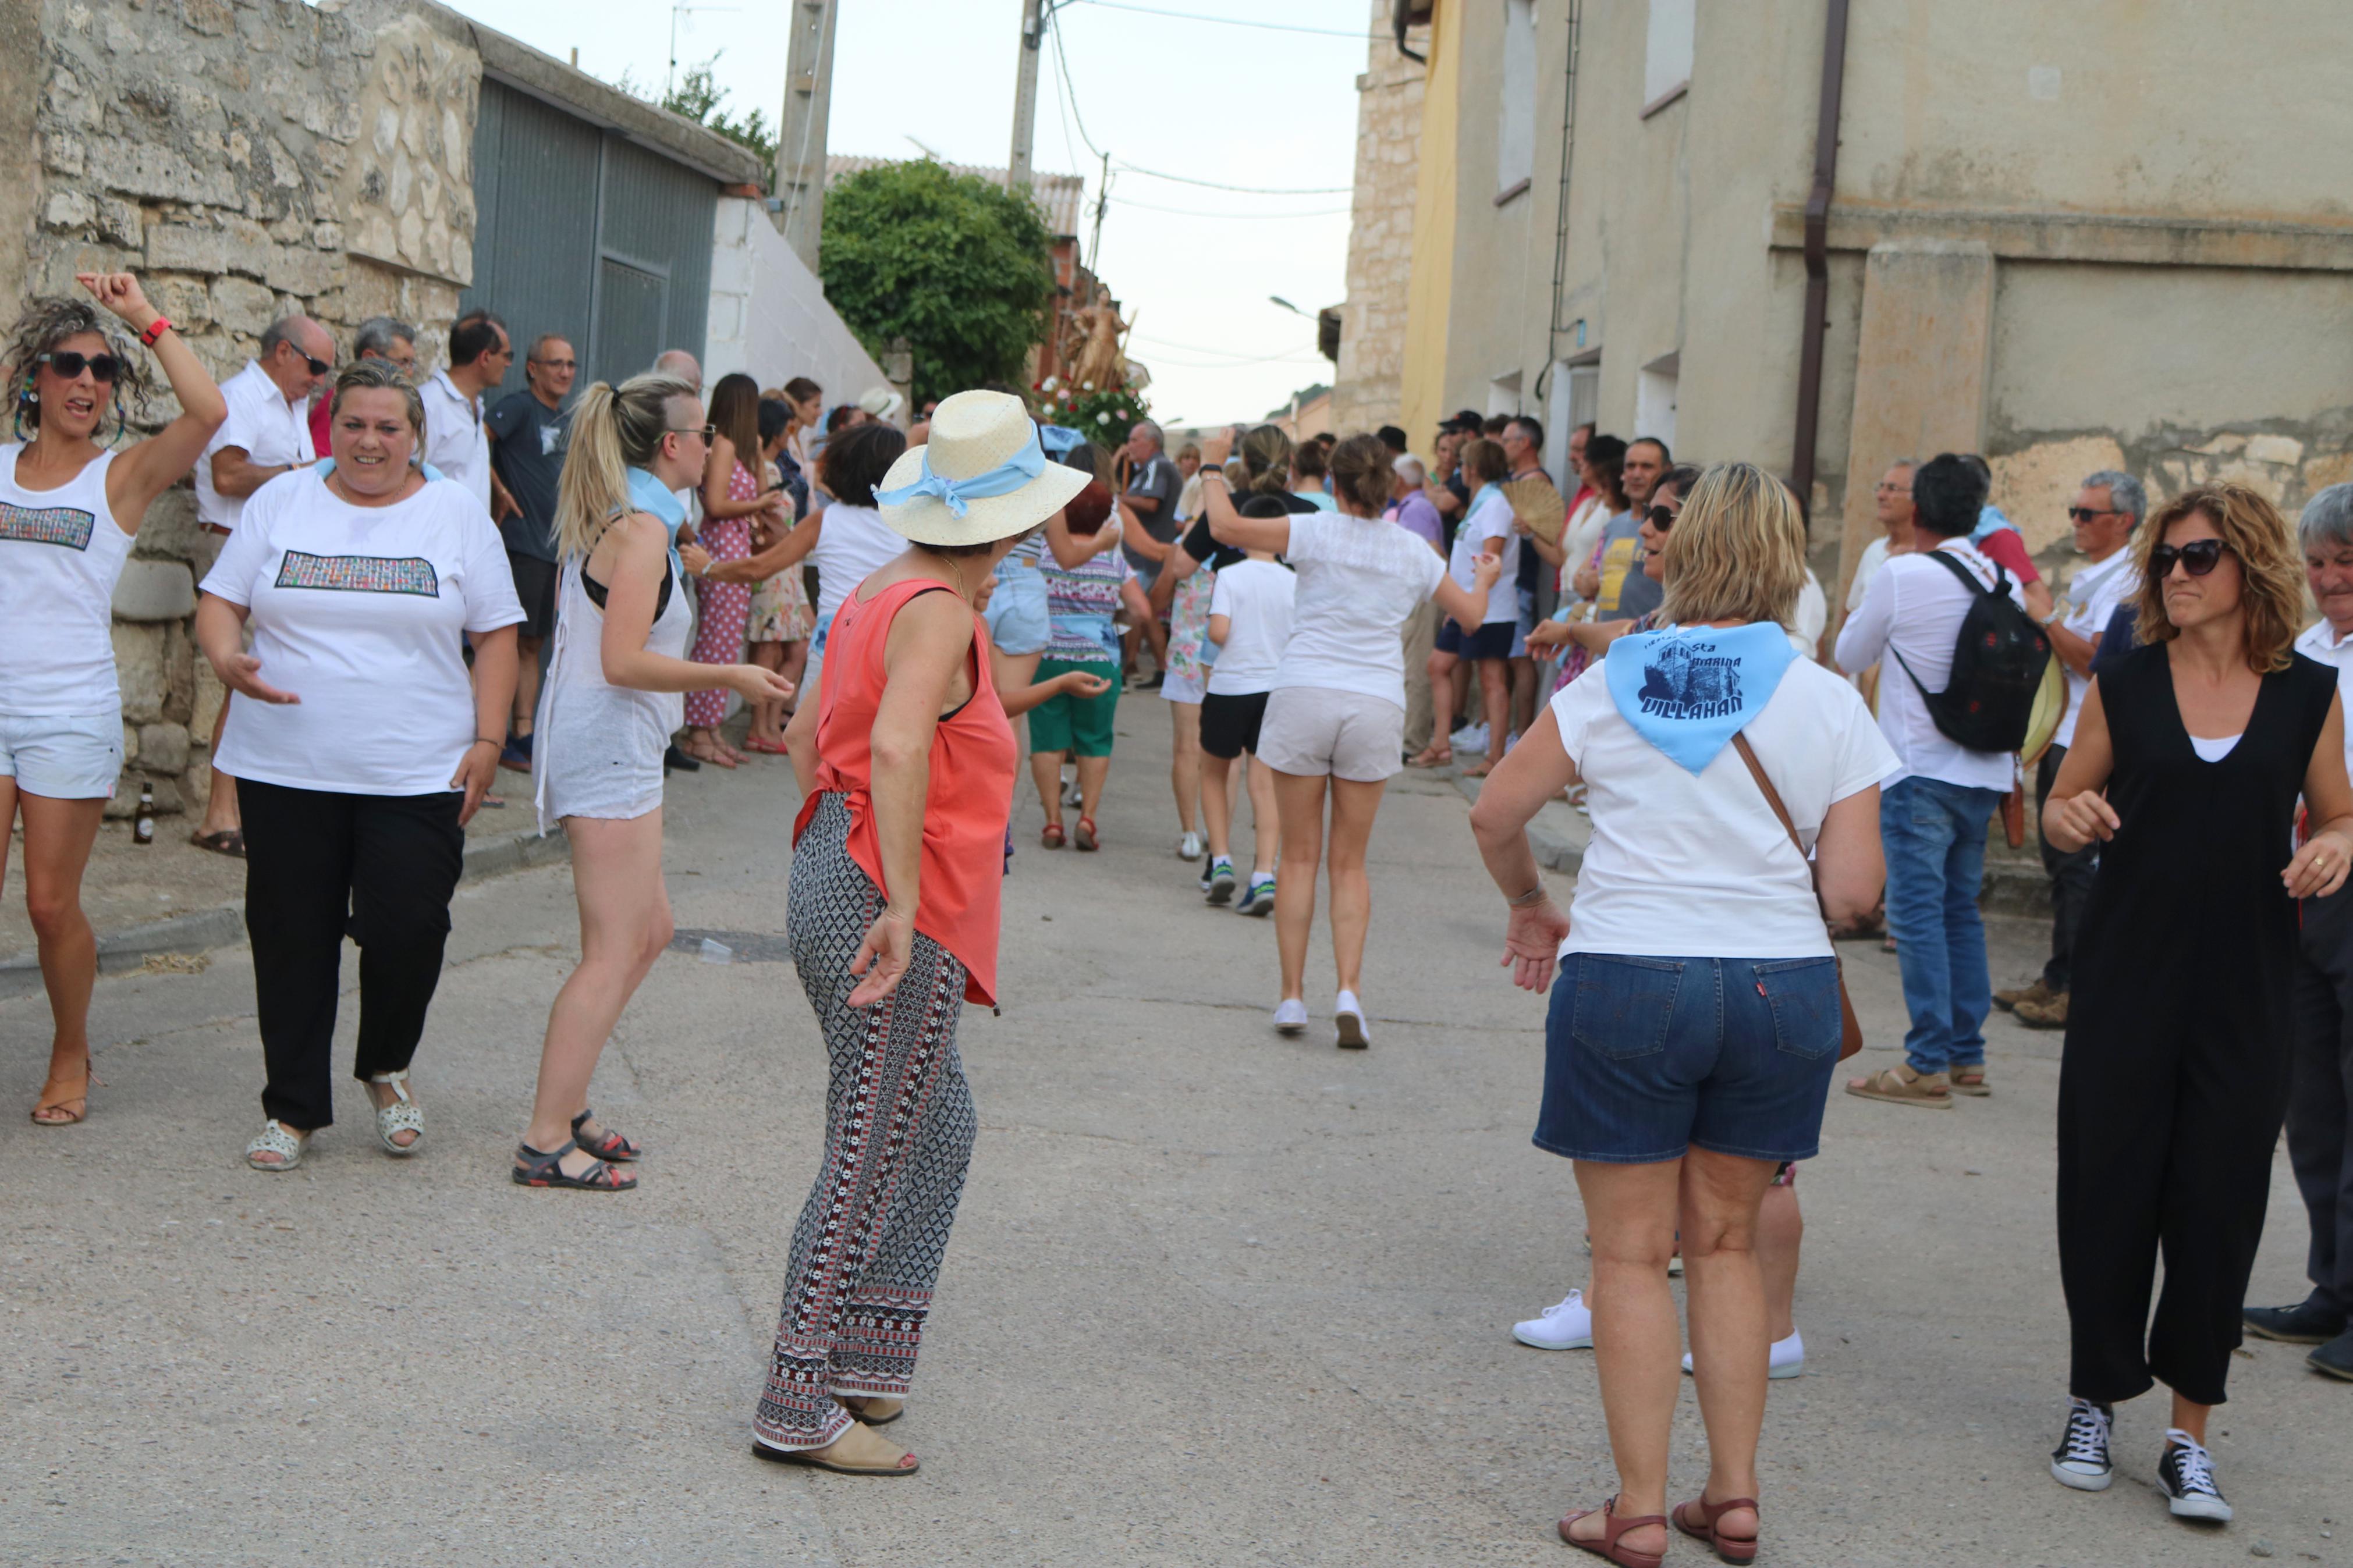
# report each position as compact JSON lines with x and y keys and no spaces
{"x":1214,"y":1297}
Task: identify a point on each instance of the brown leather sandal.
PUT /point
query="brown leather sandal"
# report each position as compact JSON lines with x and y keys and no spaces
{"x":1899,"y":1084}
{"x":58,"y":1108}
{"x":1612,"y":1527}
{"x":1728,"y":1548}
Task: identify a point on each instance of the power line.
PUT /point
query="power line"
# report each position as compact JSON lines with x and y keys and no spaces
{"x":1239,"y":357}
{"x":1191,"y":212}
{"x":1224,"y":21}
{"x":1129,"y":168}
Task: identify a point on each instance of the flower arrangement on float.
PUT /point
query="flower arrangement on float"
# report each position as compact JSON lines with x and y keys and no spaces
{"x":1104,"y":415}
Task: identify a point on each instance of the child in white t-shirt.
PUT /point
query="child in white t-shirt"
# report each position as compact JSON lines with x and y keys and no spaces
{"x":1249,"y":620}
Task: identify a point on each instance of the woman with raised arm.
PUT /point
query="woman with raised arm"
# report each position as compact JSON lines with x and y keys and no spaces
{"x":1697,"y":1019}
{"x":69,"y":504}
{"x":359,"y":747}
{"x":906,"y":765}
{"x":1334,"y":722}
{"x":2188,"y":758}
{"x":608,"y":705}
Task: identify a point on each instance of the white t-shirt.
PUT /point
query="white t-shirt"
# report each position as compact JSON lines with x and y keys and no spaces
{"x":270,"y":431}
{"x":1866,"y":567}
{"x":1490,"y":517}
{"x":455,"y":441}
{"x":2095,"y":594}
{"x":1578,"y":536}
{"x":853,"y":543}
{"x":2321,"y":642}
{"x":358,"y":611}
{"x":1915,"y":607}
{"x":1360,"y":578}
{"x":1257,"y":597}
{"x":1811,"y":615}
{"x":61,"y":552}
{"x":1696,"y":865}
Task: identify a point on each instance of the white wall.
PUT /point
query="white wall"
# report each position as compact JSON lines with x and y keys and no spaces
{"x":768,"y":314}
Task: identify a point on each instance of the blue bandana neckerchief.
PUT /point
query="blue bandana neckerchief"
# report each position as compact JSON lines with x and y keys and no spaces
{"x":1002,"y":479}
{"x":1689,"y":689}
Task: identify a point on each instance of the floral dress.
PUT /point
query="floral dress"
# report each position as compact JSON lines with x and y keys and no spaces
{"x":780,"y":606}
{"x":722,"y":608}
{"x":1189,"y":654}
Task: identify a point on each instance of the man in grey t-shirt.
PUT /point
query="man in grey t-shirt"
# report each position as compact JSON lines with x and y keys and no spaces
{"x":1148,"y":516}
{"x":527,"y":433}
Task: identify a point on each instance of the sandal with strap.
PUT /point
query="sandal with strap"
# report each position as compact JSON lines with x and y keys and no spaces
{"x":1612,"y":1527}
{"x":1899,"y":1084}
{"x":403,"y":1115}
{"x":1052,"y":836}
{"x":857,"y":1452}
{"x":277,"y":1139}
{"x":1728,"y":1548}
{"x":606,"y":1145}
{"x":1085,"y":838}
{"x":55,"y":1112}
{"x":873,"y":1409}
{"x":535,"y":1169}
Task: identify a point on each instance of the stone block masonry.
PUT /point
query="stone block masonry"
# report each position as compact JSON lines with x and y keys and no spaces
{"x":246,"y":158}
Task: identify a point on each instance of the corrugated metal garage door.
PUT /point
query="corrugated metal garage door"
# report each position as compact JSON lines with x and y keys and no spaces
{"x":584,"y":234}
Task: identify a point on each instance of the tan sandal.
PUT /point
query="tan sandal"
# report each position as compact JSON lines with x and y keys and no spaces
{"x":66,"y":1109}
{"x":1971,"y":1081}
{"x":1901,"y":1086}
{"x":874,"y":1409}
{"x":857,"y":1452}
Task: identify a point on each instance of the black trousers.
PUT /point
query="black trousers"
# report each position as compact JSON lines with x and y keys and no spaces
{"x":2165,"y":1149}
{"x":2317,"y":1147}
{"x":2071,"y":879}
{"x":321,"y":865}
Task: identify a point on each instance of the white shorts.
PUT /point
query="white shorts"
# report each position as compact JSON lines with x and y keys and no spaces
{"x":1183,"y":688}
{"x":62,"y":758}
{"x":1314,"y":730}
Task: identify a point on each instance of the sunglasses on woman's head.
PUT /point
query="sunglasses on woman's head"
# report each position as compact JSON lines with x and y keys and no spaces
{"x":2197,"y":557}
{"x":102,"y":367}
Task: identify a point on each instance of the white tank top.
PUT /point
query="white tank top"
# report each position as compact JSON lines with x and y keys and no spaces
{"x":61,"y":552}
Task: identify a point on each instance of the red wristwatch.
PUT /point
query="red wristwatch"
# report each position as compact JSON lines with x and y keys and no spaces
{"x":156,"y":328}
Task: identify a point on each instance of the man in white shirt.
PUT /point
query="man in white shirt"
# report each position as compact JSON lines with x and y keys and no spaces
{"x":455,"y":441}
{"x":1891,"y":506}
{"x":2318,"y":1149}
{"x":267,"y":433}
{"x":2108,"y":508}
{"x":1932,"y":814}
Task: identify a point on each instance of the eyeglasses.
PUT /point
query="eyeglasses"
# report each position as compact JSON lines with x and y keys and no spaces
{"x":102,"y":368}
{"x":2087,"y":513}
{"x":2197,"y":557}
{"x":1661,"y":518}
{"x":705,"y":431}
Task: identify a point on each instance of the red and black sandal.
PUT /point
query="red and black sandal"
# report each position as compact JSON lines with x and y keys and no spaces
{"x":1085,"y":837}
{"x":606,"y":1144}
{"x":1697,"y":1520}
{"x":534,"y":1169}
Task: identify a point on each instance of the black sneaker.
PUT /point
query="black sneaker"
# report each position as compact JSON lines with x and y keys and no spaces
{"x":676,"y":761}
{"x":2185,"y":1475}
{"x":2310,"y":1322}
{"x":2335,"y":1358}
{"x":2080,"y":1460}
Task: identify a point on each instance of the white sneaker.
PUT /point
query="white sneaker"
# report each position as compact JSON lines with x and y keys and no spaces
{"x":1291,"y":1016}
{"x":1348,"y":1017}
{"x":1470,"y":738}
{"x":1787,"y":1359}
{"x":1188,"y":848}
{"x":1565,"y":1326}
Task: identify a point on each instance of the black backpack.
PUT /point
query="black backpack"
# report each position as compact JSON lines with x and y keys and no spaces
{"x":1998,"y":663}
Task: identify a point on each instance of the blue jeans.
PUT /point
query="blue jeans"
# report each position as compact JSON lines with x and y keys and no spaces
{"x":1935,"y":837}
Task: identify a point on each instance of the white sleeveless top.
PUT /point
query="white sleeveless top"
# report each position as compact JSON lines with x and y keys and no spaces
{"x":61,"y":553}
{"x":596,"y":748}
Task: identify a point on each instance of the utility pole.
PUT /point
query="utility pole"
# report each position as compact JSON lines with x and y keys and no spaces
{"x":1025,"y":93}
{"x":1103,"y":196}
{"x":800,"y":133}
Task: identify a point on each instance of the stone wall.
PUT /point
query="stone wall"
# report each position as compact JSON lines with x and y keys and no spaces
{"x":1365,"y":395}
{"x":245,"y":159}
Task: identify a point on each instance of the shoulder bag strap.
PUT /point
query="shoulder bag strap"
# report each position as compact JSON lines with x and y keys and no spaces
{"x":1849,"y":1027}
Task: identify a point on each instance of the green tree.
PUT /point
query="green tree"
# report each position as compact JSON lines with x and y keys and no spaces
{"x":698,"y":97}
{"x":958,"y":266}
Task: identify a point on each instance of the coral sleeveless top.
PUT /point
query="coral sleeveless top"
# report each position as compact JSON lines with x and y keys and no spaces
{"x":971,"y":794}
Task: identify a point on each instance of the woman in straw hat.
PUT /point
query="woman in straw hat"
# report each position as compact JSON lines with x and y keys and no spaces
{"x":907,"y":766}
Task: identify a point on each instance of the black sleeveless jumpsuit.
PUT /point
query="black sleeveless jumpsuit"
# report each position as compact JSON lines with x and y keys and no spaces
{"x":2175,"y":1076}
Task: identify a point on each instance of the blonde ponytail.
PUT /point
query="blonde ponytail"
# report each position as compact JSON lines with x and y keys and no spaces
{"x":613,"y":431}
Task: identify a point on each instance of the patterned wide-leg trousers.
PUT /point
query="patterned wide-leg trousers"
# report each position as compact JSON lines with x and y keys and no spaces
{"x":899,"y":1136}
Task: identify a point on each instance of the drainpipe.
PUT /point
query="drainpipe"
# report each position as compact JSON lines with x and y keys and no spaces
{"x":1818,"y":268}
{"x":1403,"y":17}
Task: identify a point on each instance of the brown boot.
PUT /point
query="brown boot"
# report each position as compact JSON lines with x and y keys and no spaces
{"x":2050,"y":1014}
{"x":2038,"y":994}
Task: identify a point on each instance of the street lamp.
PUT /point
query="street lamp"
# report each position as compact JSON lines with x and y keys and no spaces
{"x":1279,"y":299}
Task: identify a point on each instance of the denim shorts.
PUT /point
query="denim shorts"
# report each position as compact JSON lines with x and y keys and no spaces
{"x":1646,"y":1056}
{"x":1018,"y":623}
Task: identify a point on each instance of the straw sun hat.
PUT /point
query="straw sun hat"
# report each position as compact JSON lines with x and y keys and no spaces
{"x":982,"y":477}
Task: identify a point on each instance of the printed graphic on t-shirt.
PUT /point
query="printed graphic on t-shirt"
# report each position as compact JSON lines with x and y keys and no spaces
{"x":1690,"y":681}
{"x":66,"y":525}
{"x":359,"y":574}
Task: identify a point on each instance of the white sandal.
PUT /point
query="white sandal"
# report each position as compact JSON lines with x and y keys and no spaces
{"x":277,"y":1139}
{"x":403,"y":1115}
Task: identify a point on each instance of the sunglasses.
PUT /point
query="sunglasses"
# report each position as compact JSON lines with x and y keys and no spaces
{"x":2087,"y":513}
{"x":2197,"y":557}
{"x":1661,"y":518}
{"x":102,"y":368}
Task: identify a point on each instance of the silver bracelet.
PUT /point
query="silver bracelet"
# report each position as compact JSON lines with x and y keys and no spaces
{"x":1533,"y":896}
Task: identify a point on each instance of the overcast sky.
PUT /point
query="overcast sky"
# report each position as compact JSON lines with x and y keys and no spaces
{"x":1250,"y":106}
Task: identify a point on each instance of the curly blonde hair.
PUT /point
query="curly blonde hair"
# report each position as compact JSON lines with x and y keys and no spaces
{"x":2271,"y":571}
{"x":51,"y":321}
